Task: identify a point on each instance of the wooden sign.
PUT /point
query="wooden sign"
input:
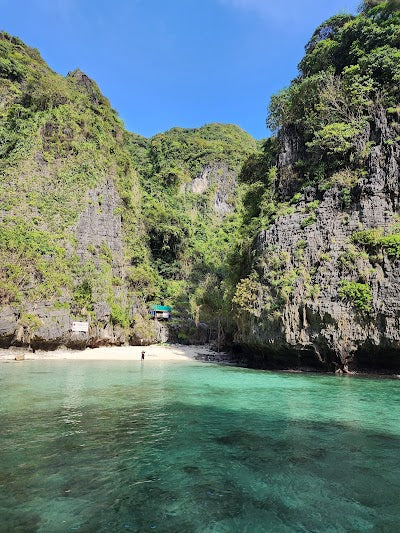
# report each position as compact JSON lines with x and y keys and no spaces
{"x":80,"y":326}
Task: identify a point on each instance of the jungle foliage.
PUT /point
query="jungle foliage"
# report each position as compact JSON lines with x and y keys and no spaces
{"x":357,"y":294}
{"x":60,"y":140}
{"x":190,"y":206}
{"x":351,"y":66}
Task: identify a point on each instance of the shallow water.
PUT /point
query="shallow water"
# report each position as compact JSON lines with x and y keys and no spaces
{"x":166,"y":446}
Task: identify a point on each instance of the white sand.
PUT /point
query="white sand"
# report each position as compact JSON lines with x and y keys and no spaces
{"x":116,"y":353}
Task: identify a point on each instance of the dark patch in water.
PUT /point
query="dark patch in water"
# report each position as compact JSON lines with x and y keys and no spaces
{"x":191,"y":469}
{"x":299,"y":459}
{"x":17,"y":521}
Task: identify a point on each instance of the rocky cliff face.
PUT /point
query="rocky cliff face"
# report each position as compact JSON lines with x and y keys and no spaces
{"x":222,"y":180}
{"x":322,"y":287}
{"x":292,"y":250}
{"x":303,"y":317}
{"x":46,"y":323}
{"x":69,"y":203}
{"x":96,"y":223}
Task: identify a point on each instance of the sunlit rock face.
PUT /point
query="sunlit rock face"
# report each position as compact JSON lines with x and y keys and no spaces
{"x":223,"y":180}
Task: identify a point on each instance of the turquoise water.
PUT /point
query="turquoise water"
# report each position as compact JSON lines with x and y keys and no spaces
{"x":120,"y":446}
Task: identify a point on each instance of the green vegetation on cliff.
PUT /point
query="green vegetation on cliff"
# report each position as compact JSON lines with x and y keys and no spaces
{"x":59,"y":139}
{"x":351,"y":66}
{"x":190,"y":204}
{"x":99,"y":222}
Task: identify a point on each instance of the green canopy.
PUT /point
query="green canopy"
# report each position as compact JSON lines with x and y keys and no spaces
{"x":161,"y":308}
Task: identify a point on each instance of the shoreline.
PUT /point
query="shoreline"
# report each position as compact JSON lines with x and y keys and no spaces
{"x":228,"y":359}
{"x":170,"y":352}
{"x":154,"y":352}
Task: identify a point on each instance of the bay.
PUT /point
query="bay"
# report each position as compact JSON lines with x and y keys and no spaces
{"x":167,"y":446}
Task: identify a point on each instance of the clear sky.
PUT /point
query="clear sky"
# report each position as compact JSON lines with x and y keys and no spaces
{"x":166,"y":63}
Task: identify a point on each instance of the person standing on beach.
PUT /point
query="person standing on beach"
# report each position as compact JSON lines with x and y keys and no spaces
{"x":143,"y":352}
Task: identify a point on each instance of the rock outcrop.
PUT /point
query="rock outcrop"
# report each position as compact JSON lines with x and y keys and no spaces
{"x":222,"y":180}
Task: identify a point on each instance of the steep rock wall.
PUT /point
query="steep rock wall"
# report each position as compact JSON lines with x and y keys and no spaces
{"x":303,"y":258}
{"x":98,"y":229}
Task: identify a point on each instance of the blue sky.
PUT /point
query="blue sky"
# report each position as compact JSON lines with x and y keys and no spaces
{"x":166,"y":63}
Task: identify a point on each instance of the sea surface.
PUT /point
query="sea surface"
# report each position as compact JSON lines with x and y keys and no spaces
{"x":194,"y":447}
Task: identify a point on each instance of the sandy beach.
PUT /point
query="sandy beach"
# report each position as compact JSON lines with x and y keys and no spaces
{"x":117,"y":353}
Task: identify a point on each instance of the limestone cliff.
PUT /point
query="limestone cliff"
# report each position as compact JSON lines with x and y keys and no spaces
{"x":69,"y":209}
{"x":323,"y":288}
{"x":310,"y":251}
{"x":97,"y":223}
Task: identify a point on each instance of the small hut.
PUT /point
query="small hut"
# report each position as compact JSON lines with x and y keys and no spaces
{"x":162,"y":312}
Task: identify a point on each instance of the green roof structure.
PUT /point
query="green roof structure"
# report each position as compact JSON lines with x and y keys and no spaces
{"x":165,"y":308}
